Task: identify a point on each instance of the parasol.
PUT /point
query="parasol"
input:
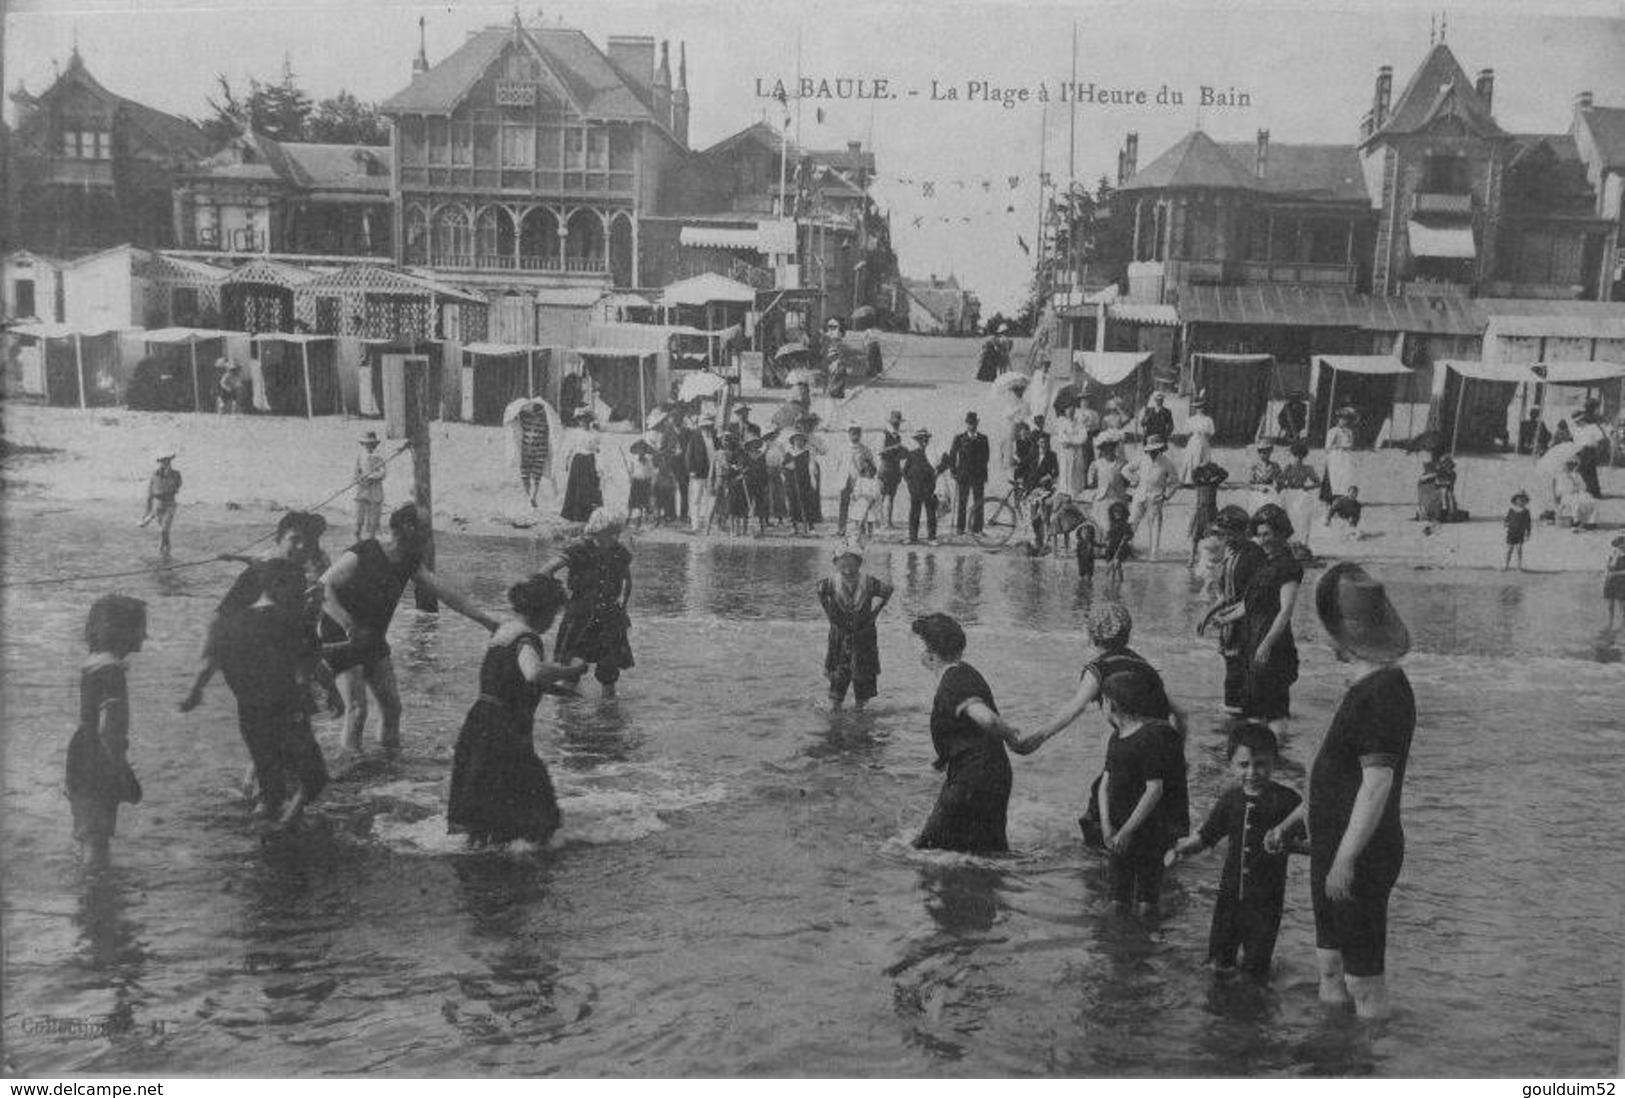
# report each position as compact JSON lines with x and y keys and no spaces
{"x":511,"y":412}
{"x":1010,"y":382}
{"x":1552,"y":461}
{"x":863,"y":316}
{"x":700,"y":384}
{"x":790,"y":350}
{"x":656,"y":418}
{"x":1067,"y":397}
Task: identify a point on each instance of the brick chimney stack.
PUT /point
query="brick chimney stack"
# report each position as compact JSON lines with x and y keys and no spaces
{"x":662,"y":90}
{"x":1261,"y":161}
{"x":420,"y":63}
{"x":679,"y":96}
{"x":1485,"y":86}
{"x":1582,"y":102}
{"x":1131,"y":155}
{"x":1385,"y":91}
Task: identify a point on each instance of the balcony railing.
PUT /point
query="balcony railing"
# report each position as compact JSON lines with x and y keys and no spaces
{"x":572,"y":264}
{"x":1425,"y":202}
{"x":1234,"y":272}
{"x":1317,"y":274}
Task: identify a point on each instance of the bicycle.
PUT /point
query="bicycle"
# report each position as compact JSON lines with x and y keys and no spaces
{"x":1002,"y":517}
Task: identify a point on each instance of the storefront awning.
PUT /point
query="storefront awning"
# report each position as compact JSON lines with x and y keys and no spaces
{"x":1453,"y":242}
{"x":1581,"y":320}
{"x":1110,"y":367}
{"x":1362,"y":364}
{"x":1165,"y":316}
{"x":47,"y":330}
{"x":1577,"y":373}
{"x":705,"y":236}
{"x":1513,"y":372}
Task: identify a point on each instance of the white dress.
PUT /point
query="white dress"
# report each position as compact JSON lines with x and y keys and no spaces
{"x":1340,"y":460}
{"x":1199,"y":450}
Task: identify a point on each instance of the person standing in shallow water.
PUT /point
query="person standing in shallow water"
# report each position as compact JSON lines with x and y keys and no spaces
{"x":595,"y":623}
{"x":1356,"y":837}
{"x":99,"y":774}
{"x":852,"y":600}
{"x":970,"y":739}
{"x":500,"y":789}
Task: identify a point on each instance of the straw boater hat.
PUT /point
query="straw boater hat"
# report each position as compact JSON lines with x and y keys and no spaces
{"x":1357,"y":616}
{"x":922,"y":435}
{"x":1199,"y":400}
{"x":851,"y":547}
{"x":1155,"y":444}
{"x":369,"y":438}
{"x":602,"y":521}
{"x":164,"y":453}
{"x":1264,"y":445}
{"x":1347,"y":412}
{"x":1520,"y":494}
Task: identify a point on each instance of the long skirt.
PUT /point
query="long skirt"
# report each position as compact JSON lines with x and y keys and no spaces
{"x":500,"y":790}
{"x":971,"y":809}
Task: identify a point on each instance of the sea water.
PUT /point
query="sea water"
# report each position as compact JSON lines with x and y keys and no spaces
{"x":733,"y":891}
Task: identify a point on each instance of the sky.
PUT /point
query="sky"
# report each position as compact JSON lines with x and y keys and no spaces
{"x":1307,"y":73}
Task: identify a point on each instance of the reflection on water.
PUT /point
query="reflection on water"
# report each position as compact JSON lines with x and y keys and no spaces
{"x":728,"y":841}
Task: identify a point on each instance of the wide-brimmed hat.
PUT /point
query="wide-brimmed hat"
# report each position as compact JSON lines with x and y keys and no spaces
{"x":972,"y":417}
{"x":1264,"y":445}
{"x":922,"y":435}
{"x":603,"y":520}
{"x":1155,"y":442}
{"x":848,"y":548}
{"x":369,"y":438}
{"x":1110,"y":624}
{"x":163,"y":453}
{"x":1347,"y":412}
{"x":896,"y":415}
{"x":1357,"y":616}
{"x":1520,"y":494}
{"x":1273,"y":516}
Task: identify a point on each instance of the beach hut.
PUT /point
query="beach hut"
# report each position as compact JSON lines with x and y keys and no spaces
{"x":300,"y":373}
{"x":70,"y":367}
{"x":1367,"y":383}
{"x":259,"y":296}
{"x":629,"y":366}
{"x":1238,"y":389}
{"x":497,"y":374}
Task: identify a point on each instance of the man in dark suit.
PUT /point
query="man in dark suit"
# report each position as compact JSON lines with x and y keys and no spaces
{"x":1157,"y":419}
{"x":967,"y":459}
{"x":674,"y":451}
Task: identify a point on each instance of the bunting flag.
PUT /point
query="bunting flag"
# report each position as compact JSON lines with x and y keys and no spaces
{"x":928,"y":189}
{"x":1015,"y":181}
{"x":918,"y":221}
{"x":1022,"y":244}
{"x":987,"y":185}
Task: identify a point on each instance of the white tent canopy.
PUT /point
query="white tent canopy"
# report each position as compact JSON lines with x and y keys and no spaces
{"x":1577,"y":373}
{"x":1446,"y":242}
{"x":501,"y":350}
{"x":1362,"y":364}
{"x":302,"y":340}
{"x":708,"y":289}
{"x":1110,"y":367}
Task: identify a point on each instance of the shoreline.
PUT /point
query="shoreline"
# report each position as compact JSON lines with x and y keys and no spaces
{"x":247,"y":471}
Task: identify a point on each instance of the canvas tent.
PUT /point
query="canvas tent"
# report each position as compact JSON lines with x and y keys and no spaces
{"x":1367,"y":383}
{"x":1238,"y":390}
{"x":301,"y":373}
{"x":1474,"y":398}
{"x":71,"y":367}
{"x":179,"y":348}
{"x":1123,"y":374}
{"x":497,"y":374}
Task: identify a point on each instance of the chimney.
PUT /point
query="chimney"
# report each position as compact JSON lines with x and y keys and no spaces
{"x":634,"y":55}
{"x":1120,"y":163}
{"x":420,"y":63}
{"x":1385,"y":90}
{"x":679,"y":97}
{"x":1582,"y":102}
{"x":1261,"y":161}
{"x":854,"y":149}
{"x":1131,"y":155}
{"x":1485,"y":86}
{"x":662,"y":88}
{"x":1367,"y":125}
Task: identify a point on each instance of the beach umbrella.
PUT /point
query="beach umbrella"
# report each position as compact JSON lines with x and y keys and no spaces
{"x":699,"y":384}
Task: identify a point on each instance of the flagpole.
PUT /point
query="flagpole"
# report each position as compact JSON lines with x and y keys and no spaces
{"x":1072,"y":116}
{"x":1038,"y":240}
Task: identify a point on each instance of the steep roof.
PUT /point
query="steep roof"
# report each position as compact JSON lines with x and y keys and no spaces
{"x":760,"y":133}
{"x":1196,"y":160}
{"x":594,"y":84}
{"x":168,"y":132}
{"x":1327,"y":172}
{"x":1439,"y":81}
{"x":338,"y":167}
{"x":1607,"y":126}
{"x":944,"y":304}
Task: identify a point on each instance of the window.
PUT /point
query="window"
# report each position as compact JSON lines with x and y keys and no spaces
{"x":485,"y":146}
{"x":23,"y":297}
{"x":575,"y":149}
{"x":437,"y":140}
{"x":1446,"y":175}
{"x":87,"y":144}
{"x":411,"y":131}
{"x":104,"y":146}
{"x":621,"y":140}
{"x":462,"y":143}
{"x":451,"y":234}
{"x":327,"y":315}
{"x":597,"y":149}
{"x":417,"y":236}
{"x":183,"y":306}
{"x":518,"y":147}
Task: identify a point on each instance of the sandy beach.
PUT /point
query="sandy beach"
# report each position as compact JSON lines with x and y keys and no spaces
{"x":248,"y":469}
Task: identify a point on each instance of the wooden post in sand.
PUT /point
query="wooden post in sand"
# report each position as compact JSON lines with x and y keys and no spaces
{"x":417,"y":427}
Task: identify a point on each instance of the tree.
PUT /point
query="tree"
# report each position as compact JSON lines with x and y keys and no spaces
{"x":346,"y":120}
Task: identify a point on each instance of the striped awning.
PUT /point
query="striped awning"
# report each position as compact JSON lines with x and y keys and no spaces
{"x":1140,"y":312}
{"x":1110,"y":367}
{"x":705,"y":236}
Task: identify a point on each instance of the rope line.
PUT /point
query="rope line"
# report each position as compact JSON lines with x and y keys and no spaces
{"x":218,"y":558}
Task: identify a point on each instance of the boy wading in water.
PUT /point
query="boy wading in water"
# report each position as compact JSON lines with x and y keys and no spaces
{"x":1144,"y":805}
{"x":1252,"y":884}
{"x":162,"y":488}
{"x":99,"y":774}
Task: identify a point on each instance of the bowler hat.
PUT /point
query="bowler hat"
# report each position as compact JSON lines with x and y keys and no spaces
{"x":1357,"y":616}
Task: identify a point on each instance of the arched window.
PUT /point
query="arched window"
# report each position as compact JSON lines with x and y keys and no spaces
{"x":452,"y":243}
{"x":493,"y":233}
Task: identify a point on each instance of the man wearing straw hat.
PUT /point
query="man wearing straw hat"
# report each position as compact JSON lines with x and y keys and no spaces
{"x":921,"y":477}
{"x":162,"y":488}
{"x":1356,"y":838}
{"x":369,"y":488}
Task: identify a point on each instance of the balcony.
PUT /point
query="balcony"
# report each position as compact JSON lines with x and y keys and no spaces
{"x":1424,"y":202}
{"x":568,"y":264}
{"x":1299,"y":274}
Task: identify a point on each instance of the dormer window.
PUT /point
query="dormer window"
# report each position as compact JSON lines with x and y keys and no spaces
{"x":519,"y":66}
{"x":87,"y":144}
{"x":1446,"y":175}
